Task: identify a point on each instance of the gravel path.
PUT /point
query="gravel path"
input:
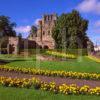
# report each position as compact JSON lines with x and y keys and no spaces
{"x":58,"y":80}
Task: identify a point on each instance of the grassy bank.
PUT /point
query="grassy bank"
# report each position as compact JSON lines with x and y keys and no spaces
{"x":8,"y":93}
{"x":82,"y":65}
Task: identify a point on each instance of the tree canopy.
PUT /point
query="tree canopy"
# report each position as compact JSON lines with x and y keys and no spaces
{"x":20,"y":35}
{"x":70,"y":31}
{"x":33,"y":31}
{"x":6,"y":27}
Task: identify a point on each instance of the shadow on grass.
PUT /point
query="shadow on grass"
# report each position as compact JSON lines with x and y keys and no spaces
{"x":3,"y":62}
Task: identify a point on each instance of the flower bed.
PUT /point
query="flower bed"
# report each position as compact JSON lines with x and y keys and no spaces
{"x":94,"y":58}
{"x":60,"y":54}
{"x":37,"y":84}
{"x":78,"y":75}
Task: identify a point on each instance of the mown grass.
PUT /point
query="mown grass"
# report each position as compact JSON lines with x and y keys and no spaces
{"x":83,"y":65}
{"x":9,"y":93}
{"x":79,"y":65}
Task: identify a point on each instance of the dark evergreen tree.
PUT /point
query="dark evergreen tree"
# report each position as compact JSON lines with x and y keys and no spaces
{"x":6,"y":27}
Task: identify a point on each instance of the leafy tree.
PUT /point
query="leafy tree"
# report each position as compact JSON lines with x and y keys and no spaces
{"x":6,"y":27}
{"x":20,"y":35}
{"x":33,"y":30}
{"x":70,"y":31}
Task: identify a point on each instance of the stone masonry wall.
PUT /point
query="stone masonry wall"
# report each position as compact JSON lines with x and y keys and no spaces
{"x":44,"y":33}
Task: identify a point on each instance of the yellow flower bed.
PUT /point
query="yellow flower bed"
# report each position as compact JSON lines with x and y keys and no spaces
{"x":94,"y":58}
{"x":15,"y":82}
{"x":79,"y":75}
{"x":60,"y":54}
{"x":53,"y":87}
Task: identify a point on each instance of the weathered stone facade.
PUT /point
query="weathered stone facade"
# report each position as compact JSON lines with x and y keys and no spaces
{"x":44,"y":32}
{"x":14,"y":45}
{"x":8,"y":45}
{"x":41,"y":39}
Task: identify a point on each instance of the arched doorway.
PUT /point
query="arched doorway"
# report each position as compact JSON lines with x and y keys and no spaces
{"x":3,"y":47}
{"x":46,"y":47}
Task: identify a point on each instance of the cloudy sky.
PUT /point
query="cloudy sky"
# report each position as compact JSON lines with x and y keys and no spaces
{"x":28,"y":12}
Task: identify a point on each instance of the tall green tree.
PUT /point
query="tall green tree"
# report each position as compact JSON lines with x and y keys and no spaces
{"x":70,"y":31}
{"x":6,"y":27}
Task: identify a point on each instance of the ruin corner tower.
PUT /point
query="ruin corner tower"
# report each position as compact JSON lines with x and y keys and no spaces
{"x":44,"y":31}
{"x":45,"y":27}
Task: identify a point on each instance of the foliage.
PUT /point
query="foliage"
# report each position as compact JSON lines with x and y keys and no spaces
{"x":33,"y":30}
{"x":77,"y":52}
{"x":70,"y":31}
{"x":6,"y":27}
{"x":20,"y":35}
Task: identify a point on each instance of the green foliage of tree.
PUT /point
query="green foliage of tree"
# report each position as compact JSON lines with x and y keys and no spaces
{"x":6,"y":26}
{"x":33,"y":30}
{"x":70,"y":31}
{"x":20,"y":35}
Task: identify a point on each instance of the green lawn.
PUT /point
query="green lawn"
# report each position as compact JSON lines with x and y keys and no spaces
{"x":8,"y":93}
{"x":85,"y":65}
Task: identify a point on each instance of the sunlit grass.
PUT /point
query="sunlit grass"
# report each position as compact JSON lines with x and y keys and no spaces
{"x":9,"y":93}
{"x":83,"y":65}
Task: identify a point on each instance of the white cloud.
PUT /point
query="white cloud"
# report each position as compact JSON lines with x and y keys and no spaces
{"x":97,"y":23}
{"x":23,"y":29}
{"x":92,"y":6}
{"x":36,"y":21}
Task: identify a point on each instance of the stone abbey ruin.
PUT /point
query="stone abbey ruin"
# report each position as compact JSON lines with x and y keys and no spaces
{"x":42,"y":38}
{"x":43,"y":35}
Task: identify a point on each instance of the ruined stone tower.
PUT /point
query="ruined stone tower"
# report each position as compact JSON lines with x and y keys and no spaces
{"x":44,"y":31}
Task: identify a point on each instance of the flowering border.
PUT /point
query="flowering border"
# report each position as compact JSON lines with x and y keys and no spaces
{"x":53,"y":87}
{"x":77,"y":75}
{"x":60,"y":54}
{"x":94,"y":59}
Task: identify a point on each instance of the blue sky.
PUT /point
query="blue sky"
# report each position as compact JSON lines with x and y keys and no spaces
{"x":28,"y":12}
